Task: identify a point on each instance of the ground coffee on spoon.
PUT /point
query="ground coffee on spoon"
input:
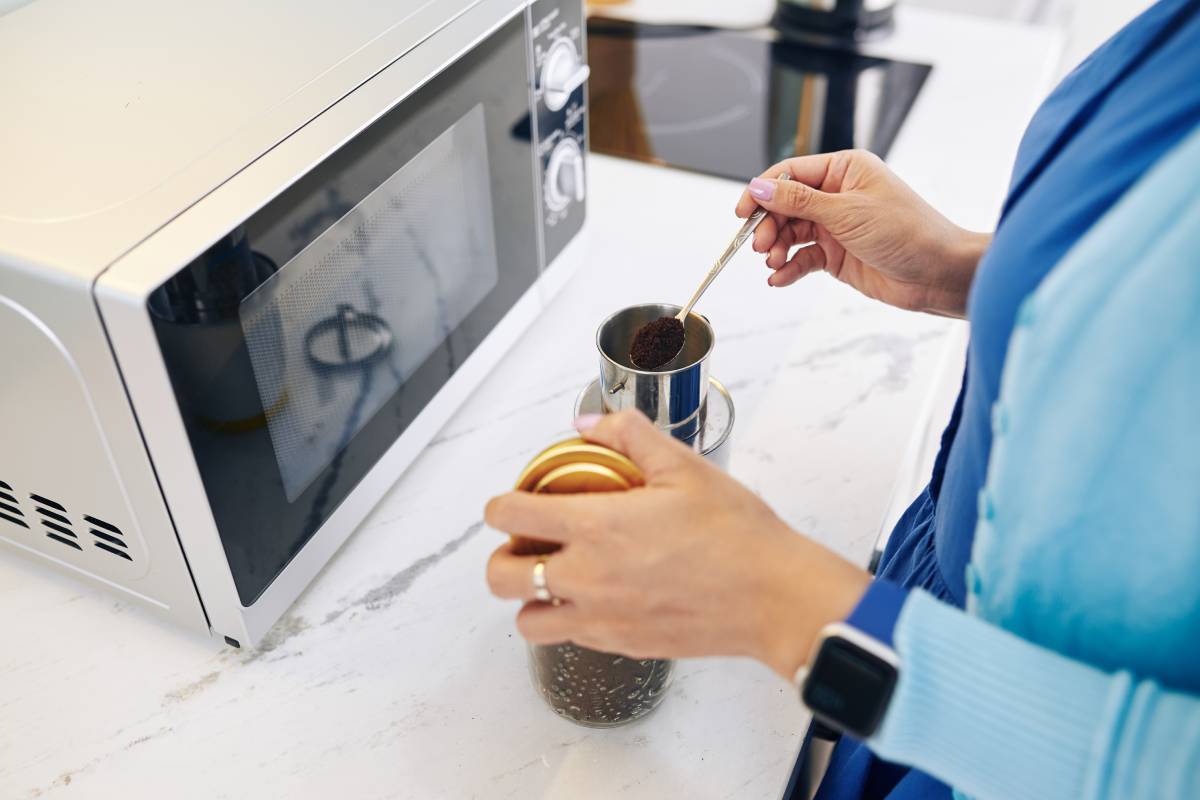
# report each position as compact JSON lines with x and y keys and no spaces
{"x":656,"y":343}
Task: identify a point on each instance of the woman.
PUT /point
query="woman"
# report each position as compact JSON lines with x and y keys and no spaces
{"x":1063,"y":512}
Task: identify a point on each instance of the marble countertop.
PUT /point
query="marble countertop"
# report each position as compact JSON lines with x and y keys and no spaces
{"x":396,"y":675}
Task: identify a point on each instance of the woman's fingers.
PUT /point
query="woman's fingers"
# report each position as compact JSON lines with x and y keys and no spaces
{"x":811,"y":170}
{"x":798,"y":200}
{"x":798,"y":232}
{"x":550,"y":517}
{"x":776,"y":228}
{"x":807,"y":259}
{"x":746,"y":204}
{"x":766,"y":234}
{"x":783,"y":237}
{"x":808,"y":170}
{"x":542,"y":623}
{"x":510,"y":576}
{"x":630,"y":432}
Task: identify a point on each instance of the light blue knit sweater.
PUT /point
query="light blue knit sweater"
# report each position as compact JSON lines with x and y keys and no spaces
{"x":1076,"y":671}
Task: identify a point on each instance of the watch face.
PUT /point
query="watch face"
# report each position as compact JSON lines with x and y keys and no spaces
{"x":849,"y":687}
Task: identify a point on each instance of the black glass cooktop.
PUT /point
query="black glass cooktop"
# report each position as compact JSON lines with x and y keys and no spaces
{"x":732,"y":103}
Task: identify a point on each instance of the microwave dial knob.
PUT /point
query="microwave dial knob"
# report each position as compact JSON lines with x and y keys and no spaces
{"x":564,"y":175}
{"x":562,"y":73}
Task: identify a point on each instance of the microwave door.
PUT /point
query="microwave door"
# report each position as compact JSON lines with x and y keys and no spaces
{"x":304,"y":343}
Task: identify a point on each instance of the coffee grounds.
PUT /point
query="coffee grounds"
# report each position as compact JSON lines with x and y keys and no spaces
{"x":598,"y":689}
{"x":656,"y":343}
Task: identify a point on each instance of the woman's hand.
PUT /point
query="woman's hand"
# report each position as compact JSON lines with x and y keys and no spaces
{"x":691,"y":564}
{"x":868,"y":229}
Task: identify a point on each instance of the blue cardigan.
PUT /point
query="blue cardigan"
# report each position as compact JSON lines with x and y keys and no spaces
{"x":1075,"y":672}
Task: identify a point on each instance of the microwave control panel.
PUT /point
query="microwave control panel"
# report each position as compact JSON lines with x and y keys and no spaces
{"x":559,"y":57}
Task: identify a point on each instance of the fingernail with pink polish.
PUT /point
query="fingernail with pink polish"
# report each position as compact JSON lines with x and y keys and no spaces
{"x":762,"y":189}
{"x":585,"y":422}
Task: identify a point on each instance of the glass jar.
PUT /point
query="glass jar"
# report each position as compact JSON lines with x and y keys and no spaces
{"x":586,"y":686}
{"x":600,"y":690}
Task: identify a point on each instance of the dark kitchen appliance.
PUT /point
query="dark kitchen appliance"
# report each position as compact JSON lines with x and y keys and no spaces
{"x":844,"y":18}
{"x":731,"y":103}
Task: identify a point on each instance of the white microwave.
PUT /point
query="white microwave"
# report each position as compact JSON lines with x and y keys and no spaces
{"x":252,"y":256}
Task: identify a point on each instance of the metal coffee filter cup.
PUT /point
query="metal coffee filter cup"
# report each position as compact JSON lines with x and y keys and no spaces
{"x":672,"y":396}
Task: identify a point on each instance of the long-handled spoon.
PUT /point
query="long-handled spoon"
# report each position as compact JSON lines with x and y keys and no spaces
{"x":654,"y":340}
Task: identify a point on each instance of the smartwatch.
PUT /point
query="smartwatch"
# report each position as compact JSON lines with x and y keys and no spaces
{"x":848,"y":682}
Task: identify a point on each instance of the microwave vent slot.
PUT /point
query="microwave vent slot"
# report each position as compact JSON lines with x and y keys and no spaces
{"x":37,"y":498}
{"x":10,"y":507}
{"x":58,"y":526}
{"x":54,"y":519}
{"x":108,"y":537}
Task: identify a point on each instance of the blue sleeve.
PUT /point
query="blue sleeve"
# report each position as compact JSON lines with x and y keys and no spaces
{"x":878,"y":610}
{"x":998,"y":717}
{"x":1088,"y":538}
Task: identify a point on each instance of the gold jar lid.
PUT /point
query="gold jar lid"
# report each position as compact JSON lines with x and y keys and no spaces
{"x":571,"y":467}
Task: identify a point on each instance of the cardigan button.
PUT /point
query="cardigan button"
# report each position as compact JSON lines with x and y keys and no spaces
{"x":1026,"y":314}
{"x":974,"y":582}
{"x":999,"y":419}
{"x":987,"y":509}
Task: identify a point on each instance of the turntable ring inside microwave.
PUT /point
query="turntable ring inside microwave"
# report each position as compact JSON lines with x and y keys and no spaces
{"x":348,"y":339}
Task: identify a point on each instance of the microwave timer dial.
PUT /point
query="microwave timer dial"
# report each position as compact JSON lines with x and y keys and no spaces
{"x":559,"y":74}
{"x":563,"y":71}
{"x":564,"y":175}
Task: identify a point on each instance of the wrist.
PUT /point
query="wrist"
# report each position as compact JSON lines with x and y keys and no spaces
{"x":958,"y":259}
{"x":804,"y":588}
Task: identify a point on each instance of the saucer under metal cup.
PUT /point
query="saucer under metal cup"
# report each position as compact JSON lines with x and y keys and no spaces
{"x":716,"y":420}
{"x":671,"y":396}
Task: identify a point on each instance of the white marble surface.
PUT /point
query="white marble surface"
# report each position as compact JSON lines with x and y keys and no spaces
{"x":396,"y":675}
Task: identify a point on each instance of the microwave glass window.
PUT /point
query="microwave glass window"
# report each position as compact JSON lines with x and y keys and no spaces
{"x":342,"y":326}
{"x":304,"y":342}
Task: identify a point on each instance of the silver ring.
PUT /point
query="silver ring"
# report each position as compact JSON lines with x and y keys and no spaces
{"x":541,"y":592}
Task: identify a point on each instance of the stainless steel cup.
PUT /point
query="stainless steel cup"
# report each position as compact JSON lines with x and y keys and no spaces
{"x":672,"y":397}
